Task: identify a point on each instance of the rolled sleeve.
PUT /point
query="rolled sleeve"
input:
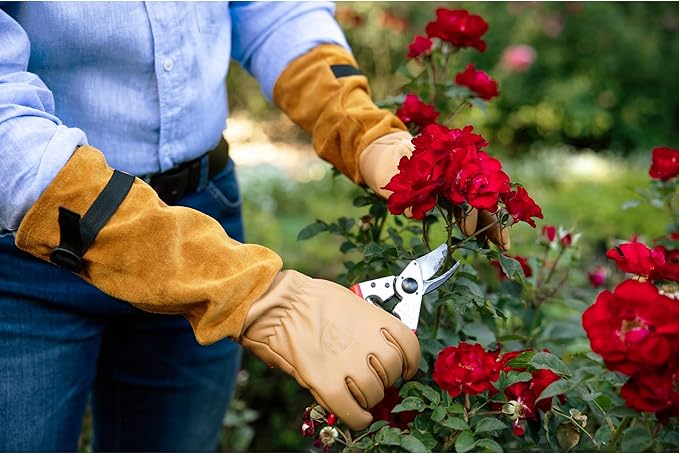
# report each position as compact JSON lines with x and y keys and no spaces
{"x":34,"y":144}
{"x":267,"y":36}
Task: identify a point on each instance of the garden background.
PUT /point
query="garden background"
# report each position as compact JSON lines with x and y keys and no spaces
{"x":576,"y":126}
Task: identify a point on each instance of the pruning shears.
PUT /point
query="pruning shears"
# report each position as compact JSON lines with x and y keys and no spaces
{"x":410,"y":286}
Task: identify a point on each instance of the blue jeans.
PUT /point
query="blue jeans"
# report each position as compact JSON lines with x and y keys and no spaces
{"x":62,"y":341}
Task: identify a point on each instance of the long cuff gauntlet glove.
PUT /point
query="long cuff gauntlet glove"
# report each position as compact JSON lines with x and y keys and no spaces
{"x":114,"y":231}
{"x":324,"y":92}
{"x":164,"y":259}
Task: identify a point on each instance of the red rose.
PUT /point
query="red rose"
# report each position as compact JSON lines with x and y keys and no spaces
{"x":417,"y":185}
{"x":666,"y":264}
{"x":466,"y":368}
{"x":665,"y":163}
{"x":416,"y":112}
{"x":382,"y":411}
{"x":421,"y":46}
{"x":477,"y":81}
{"x":656,"y":264}
{"x":634,"y":327}
{"x":632,"y":258}
{"x":475,"y":177}
{"x":441,"y":139}
{"x":521,"y":207}
{"x":527,"y":392}
{"x":549,"y":232}
{"x":518,"y":58}
{"x":597,"y":276}
{"x":651,"y":390}
{"x":459,"y":28}
{"x":566,"y":240}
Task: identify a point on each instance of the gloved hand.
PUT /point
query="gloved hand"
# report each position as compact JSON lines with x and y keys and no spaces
{"x":378,"y":163}
{"x":175,"y":260}
{"x":343,"y":349}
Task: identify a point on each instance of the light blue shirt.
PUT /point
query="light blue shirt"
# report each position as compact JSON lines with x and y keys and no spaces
{"x":143,"y":82}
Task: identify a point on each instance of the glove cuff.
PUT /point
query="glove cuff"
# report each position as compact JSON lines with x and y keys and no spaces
{"x":163,"y":259}
{"x":323,"y":92}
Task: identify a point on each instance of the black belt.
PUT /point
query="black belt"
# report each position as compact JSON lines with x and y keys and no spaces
{"x":184,"y":179}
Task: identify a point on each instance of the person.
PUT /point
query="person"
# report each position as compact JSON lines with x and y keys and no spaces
{"x":154,"y":288}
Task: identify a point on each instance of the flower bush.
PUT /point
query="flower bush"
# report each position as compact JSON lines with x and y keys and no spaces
{"x":514,"y":355}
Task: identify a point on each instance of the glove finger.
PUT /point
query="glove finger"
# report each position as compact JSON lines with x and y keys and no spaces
{"x":467,"y":221}
{"x":366,"y":386}
{"x":401,"y":338}
{"x":497,"y":234}
{"x":338,"y":399}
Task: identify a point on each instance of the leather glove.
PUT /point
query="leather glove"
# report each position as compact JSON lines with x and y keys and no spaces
{"x":340,"y":347}
{"x":378,"y":163}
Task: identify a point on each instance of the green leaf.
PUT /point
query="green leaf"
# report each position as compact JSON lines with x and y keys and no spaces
{"x":488,"y":445}
{"x":410,"y":403}
{"x":425,"y":391}
{"x":312,"y":230}
{"x":377,"y":425}
{"x":455,"y":423}
{"x":464,"y":442}
{"x":604,"y":402}
{"x":546,"y":360}
{"x":511,"y":267}
{"x":630,"y":204}
{"x":363,"y":200}
{"x":388,"y":436}
{"x":412,"y":444}
{"x":347,"y":246}
{"x":522,"y":360}
{"x":636,"y":439}
{"x":426,"y":438}
{"x":554,"y":389}
{"x":489,"y":424}
{"x":438,"y":414}
{"x":455,"y":408}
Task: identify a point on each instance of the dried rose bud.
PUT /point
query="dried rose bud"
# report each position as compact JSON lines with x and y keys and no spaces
{"x":366,"y":222}
{"x":328,"y":435}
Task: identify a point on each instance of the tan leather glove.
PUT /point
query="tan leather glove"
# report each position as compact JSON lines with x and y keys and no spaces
{"x":163,"y":259}
{"x":378,"y":163}
{"x":340,"y":347}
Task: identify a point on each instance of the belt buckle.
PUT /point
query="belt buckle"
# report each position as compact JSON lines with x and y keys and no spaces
{"x":173,"y":185}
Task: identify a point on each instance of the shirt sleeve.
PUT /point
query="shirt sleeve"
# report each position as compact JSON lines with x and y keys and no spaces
{"x":267,"y":36}
{"x":34,"y":144}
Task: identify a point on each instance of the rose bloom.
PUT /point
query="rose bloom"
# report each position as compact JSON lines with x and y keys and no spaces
{"x":420,"y":47}
{"x":459,"y":28}
{"x":477,"y":81}
{"x":653,"y":390}
{"x":443,"y":140}
{"x":521,"y":207}
{"x":633,"y":328}
{"x":656,"y":264}
{"x":549,"y":233}
{"x":664,"y":163}
{"x":566,"y":240}
{"x":475,"y":177}
{"x":417,"y":185}
{"x":382,"y":411}
{"x":518,"y":58}
{"x":597,"y":277}
{"x":414,"y":111}
{"x":466,"y":368}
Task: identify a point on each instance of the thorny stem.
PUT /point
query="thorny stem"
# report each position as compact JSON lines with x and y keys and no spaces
{"x":616,"y":433}
{"x":456,"y":111}
{"x":425,"y":233}
{"x":553,"y":267}
{"x":467,"y":407}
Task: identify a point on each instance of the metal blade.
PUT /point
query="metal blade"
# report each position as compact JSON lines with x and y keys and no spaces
{"x":430,"y":286}
{"x":433,"y":261}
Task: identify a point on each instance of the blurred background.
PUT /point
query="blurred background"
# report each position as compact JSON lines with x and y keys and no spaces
{"x":586,"y":91}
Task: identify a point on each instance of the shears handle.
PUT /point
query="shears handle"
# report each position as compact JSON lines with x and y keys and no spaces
{"x":356,"y":289}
